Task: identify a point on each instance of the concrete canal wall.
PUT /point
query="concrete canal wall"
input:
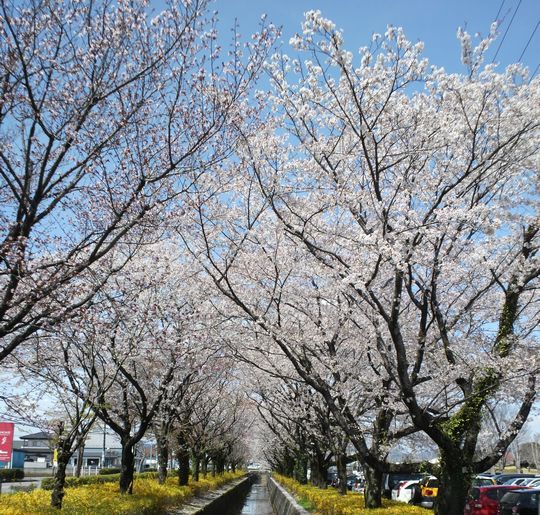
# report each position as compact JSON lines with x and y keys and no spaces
{"x":228,"y":499}
{"x":282,"y":501}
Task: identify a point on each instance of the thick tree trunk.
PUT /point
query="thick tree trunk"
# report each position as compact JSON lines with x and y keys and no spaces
{"x":163,"y":458}
{"x":204,"y":466}
{"x":80,"y":458}
{"x":58,"y":493}
{"x":127,"y":468}
{"x":318,"y":472}
{"x":300,"y":470}
{"x":196,"y":467}
{"x":183,"y":466}
{"x":220,"y":465}
{"x":288,"y":467}
{"x":373,"y":488}
{"x":342,"y":473}
{"x":454,"y":484}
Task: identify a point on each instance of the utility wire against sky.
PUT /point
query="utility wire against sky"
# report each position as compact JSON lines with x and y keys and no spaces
{"x":506,"y":31}
{"x":499,"y":11}
{"x":529,"y":40}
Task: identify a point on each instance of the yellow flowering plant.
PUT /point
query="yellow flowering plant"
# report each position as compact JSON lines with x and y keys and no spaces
{"x":330,"y":502}
{"x":149,"y":497}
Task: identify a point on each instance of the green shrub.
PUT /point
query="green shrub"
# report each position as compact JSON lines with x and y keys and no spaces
{"x":109,"y":470}
{"x":11,"y":475}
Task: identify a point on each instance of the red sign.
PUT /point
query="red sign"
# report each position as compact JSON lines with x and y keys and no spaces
{"x":6,"y":440}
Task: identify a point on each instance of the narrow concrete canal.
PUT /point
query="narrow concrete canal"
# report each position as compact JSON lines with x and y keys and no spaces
{"x":255,"y":502}
{"x":258,"y":500}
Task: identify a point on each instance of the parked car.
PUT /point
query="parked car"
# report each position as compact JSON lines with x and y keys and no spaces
{"x":390,"y":481}
{"x":332,"y":479}
{"x":523,"y":481}
{"x":482,"y":480}
{"x":484,"y":500}
{"x":404,"y":491}
{"x":352,"y":482}
{"x":504,"y":478}
{"x":359,"y":485}
{"x":524,"y":501}
{"x":425,"y":492}
{"x":535,"y":483}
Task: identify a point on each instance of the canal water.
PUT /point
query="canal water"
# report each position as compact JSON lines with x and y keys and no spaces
{"x":255,"y":502}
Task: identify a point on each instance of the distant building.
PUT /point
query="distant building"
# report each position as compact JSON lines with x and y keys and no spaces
{"x":37,"y":447}
{"x":102,"y":448}
{"x":100,"y":442}
{"x":17,"y":460}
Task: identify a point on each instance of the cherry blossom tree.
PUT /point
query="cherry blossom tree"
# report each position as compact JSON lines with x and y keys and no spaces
{"x":412,"y":194}
{"x":417,"y":190}
{"x":135,"y":347}
{"x":286,"y":312}
{"x":107,"y":112}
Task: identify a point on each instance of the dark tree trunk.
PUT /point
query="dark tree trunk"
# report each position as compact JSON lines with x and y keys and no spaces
{"x":288,"y":467}
{"x":127,"y":467}
{"x":183,"y":466}
{"x":58,"y":493}
{"x":454,"y":484}
{"x":318,"y":471}
{"x":80,"y":458}
{"x":300,"y":470}
{"x":373,"y":488}
{"x":220,"y":465}
{"x":163,"y":458}
{"x":233,"y":467}
{"x":196,"y":467}
{"x":342,"y":473}
{"x":204,"y":466}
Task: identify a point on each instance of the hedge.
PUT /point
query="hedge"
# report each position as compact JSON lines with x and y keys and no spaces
{"x":109,"y":470}
{"x":11,"y":475}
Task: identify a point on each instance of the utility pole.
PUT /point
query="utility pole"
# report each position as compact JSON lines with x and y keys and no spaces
{"x":104,"y":443}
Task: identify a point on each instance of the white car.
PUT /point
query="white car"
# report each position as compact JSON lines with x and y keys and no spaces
{"x":521,"y":481}
{"x":404,"y":491}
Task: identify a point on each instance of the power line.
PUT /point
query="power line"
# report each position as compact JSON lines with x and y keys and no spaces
{"x":499,"y":11}
{"x":506,"y":31}
{"x":534,"y":72}
{"x":528,"y":42}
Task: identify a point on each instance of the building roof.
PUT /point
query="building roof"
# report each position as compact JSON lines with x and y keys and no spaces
{"x":37,"y":436}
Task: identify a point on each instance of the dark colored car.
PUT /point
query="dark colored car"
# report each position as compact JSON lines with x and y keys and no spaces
{"x":484,"y":500}
{"x":352,"y":481}
{"x":520,"y":502}
{"x":503,"y":478}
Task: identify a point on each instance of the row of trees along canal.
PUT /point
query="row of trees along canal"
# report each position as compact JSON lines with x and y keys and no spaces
{"x":363,"y":235}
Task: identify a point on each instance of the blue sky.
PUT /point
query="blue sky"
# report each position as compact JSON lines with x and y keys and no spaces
{"x":433,"y":21}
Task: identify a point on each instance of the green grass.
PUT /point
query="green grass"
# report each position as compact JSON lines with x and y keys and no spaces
{"x":306,"y":504}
